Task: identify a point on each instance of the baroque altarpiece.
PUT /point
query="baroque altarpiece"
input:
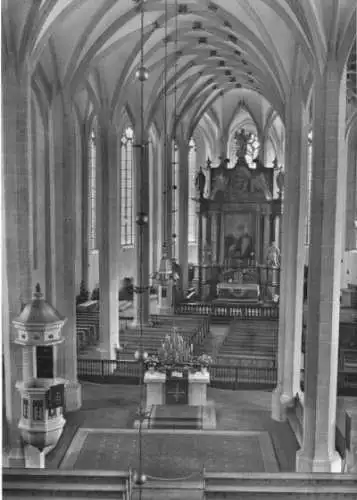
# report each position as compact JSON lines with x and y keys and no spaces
{"x":239,"y":220}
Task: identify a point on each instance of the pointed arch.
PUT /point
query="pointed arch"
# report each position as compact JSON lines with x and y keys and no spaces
{"x":92,"y":183}
{"x":192,"y":170}
{"x":127,"y":227}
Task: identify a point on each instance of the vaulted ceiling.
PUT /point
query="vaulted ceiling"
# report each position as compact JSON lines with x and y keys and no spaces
{"x":244,"y":48}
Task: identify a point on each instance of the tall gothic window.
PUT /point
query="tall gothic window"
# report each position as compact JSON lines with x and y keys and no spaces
{"x":92,"y":190}
{"x":126,"y":188}
{"x":309,"y":179}
{"x":192,"y":171}
{"x":175,"y":197}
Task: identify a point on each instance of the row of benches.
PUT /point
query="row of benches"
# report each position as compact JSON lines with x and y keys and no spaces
{"x":250,"y":343}
{"x":193,"y":329}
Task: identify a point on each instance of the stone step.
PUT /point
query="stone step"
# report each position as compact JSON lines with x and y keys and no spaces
{"x":175,"y":425}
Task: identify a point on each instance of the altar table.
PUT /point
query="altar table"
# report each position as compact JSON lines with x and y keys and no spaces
{"x":238,"y":292}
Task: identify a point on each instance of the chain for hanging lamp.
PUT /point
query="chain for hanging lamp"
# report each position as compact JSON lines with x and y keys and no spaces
{"x":164,"y":274}
{"x":142,"y":220}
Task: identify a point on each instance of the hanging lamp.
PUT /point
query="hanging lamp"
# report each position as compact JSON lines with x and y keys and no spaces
{"x":164,"y":276}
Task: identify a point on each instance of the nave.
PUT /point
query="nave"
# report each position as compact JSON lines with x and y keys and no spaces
{"x":179,"y":249}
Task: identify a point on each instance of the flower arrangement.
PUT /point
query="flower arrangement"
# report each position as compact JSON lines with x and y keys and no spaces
{"x":152,"y":362}
{"x":204,"y":360}
{"x":174,"y":349}
{"x":176,"y":353}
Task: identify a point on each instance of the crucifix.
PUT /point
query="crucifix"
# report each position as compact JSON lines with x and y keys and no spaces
{"x":176,"y":394}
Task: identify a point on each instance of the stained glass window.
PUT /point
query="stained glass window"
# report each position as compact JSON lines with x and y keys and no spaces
{"x":126,"y":189}
{"x":253,"y":147}
{"x":92,"y":191}
{"x":309,"y":180}
{"x":244,"y":144}
{"x":192,"y":171}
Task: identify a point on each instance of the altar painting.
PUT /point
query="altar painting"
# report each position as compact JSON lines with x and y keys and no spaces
{"x":238,"y":237}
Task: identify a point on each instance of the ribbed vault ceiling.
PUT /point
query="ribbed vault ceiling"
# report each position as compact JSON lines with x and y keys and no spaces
{"x":92,"y":47}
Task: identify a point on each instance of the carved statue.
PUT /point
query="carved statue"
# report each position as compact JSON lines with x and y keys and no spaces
{"x":273,"y":256}
{"x":241,"y":142}
{"x":200,"y":182}
{"x":219,"y":178}
{"x":280,"y":180}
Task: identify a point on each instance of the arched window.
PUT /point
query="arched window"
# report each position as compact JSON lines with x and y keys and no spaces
{"x":175,"y":198}
{"x":309,"y":179}
{"x":192,"y":171}
{"x":253,"y":147}
{"x":92,"y":190}
{"x":126,"y":188}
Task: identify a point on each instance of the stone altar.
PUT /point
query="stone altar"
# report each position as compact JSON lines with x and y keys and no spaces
{"x":238,"y":292}
{"x":156,"y":394}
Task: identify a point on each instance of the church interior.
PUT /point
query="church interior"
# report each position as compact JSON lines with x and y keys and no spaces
{"x":179,"y":249}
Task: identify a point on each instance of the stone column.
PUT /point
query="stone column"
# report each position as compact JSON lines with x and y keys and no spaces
{"x":199,"y":248}
{"x":155,"y":198}
{"x":267,"y":229}
{"x":221,"y":237}
{"x":142,"y":297}
{"x":258,"y":242}
{"x":107,"y":227}
{"x":17,"y":248}
{"x":292,"y":266}
{"x":350,"y":240}
{"x":214,"y":237}
{"x":277,"y":230}
{"x":329,"y":176}
{"x":183,"y":214}
{"x":85,"y":192}
{"x":63,"y":173}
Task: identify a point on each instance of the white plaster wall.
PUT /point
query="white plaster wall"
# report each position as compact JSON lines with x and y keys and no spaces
{"x":349,"y":269}
{"x":126,"y":259}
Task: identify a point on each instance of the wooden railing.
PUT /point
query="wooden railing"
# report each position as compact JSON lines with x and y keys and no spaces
{"x":243,"y":375}
{"x":58,"y":484}
{"x":229,"y":311}
{"x":282,"y":485}
{"x":222,"y":376}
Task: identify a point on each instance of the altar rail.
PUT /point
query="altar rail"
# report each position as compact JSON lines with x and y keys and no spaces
{"x":222,"y":376}
{"x":229,"y":311}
